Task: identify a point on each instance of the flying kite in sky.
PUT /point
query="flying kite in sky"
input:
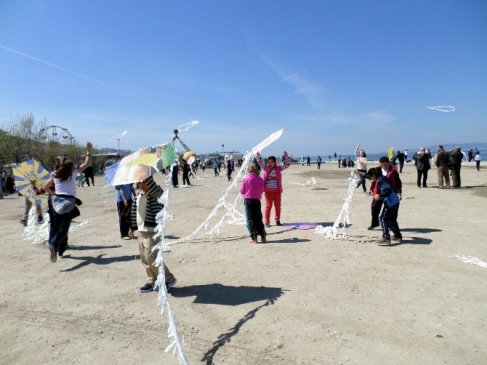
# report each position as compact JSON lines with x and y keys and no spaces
{"x":442,"y":108}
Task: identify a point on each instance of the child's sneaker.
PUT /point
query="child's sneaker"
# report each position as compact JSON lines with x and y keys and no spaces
{"x":171,"y":284}
{"x":267,"y":225}
{"x":263,"y":240}
{"x":397,"y":239}
{"x":384,"y":241}
{"x":278,"y":223}
{"x":253,"y":240}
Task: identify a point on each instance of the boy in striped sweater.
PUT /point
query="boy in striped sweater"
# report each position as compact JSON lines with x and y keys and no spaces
{"x":143,"y":219}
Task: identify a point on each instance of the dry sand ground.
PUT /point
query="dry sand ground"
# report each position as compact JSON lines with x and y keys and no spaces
{"x":300,"y":299}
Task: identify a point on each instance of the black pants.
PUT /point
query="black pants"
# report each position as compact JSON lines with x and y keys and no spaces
{"x":124,"y":217}
{"x":362,"y":180}
{"x":455,"y":176}
{"x":375,"y":209}
{"x":186,"y":178}
{"x":319,"y":164}
{"x":424,"y":175}
{"x":58,"y":233}
{"x":88,"y":177}
{"x":175,"y":181}
{"x":253,"y":212}
{"x":388,"y":220}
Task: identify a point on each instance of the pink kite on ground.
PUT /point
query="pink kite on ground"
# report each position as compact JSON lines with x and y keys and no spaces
{"x":301,"y":225}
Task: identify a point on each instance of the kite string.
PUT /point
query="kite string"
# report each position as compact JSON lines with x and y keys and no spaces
{"x":343,"y":218}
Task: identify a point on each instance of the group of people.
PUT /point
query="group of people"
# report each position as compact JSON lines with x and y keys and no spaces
{"x":253,"y":186}
{"x":386,"y":191}
{"x":7,"y":184}
{"x":386,"y":186}
{"x":448,"y":164}
{"x":137,"y":212}
{"x":345,"y":162}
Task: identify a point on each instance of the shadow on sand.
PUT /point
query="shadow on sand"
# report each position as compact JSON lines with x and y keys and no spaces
{"x":98,"y":260}
{"x":228,"y":295}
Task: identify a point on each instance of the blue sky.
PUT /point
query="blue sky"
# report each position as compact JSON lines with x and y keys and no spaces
{"x":331,"y":73}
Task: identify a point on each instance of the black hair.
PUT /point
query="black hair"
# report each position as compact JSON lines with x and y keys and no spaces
{"x":384,"y":159}
{"x":374,"y":171}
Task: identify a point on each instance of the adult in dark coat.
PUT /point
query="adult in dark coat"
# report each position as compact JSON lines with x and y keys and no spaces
{"x":400,"y":157}
{"x":442,"y":161}
{"x":456,"y":157}
{"x":90,"y":174}
{"x":422,"y":166}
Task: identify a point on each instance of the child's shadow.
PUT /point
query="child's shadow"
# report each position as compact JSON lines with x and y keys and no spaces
{"x":98,"y":260}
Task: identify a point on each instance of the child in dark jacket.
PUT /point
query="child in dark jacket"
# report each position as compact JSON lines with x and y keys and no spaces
{"x":388,"y":217}
{"x":252,"y":188}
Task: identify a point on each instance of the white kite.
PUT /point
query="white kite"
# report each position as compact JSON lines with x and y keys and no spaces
{"x":231,"y":208}
{"x":471,"y":260}
{"x":185,"y":127}
{"x":442,"y":108}
{"x":173,"y":333}
{"x":343,"y":219}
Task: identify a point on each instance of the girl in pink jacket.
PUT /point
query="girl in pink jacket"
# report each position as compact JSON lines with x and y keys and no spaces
{"x":252,"y":188}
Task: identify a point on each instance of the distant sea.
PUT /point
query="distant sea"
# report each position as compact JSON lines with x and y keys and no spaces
{"x":377,"y":156}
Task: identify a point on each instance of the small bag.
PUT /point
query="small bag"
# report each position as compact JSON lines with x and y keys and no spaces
{"x":63,"y":204}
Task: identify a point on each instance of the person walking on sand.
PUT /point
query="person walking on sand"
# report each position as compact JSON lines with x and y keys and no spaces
{"x":477,"y":160}
{"x":186,"y":170}
{"x":64,"y":200}
{"x":401,"y":157}
{"x":174,"y":175}
{"x":318,"y":162}
{"x":124,"y":194}
{"x":251,"y":189}
{"x":361,"y":167}
{"x":90,"y":175}
{"x":143,"y":219}
{"x":230,"y":168}
{"x":215,"y":168}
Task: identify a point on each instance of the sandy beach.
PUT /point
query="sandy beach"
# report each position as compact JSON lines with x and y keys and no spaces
{"x":299,"y":299}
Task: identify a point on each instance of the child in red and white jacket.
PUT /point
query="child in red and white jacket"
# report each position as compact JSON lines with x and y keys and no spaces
{"x":272,"y":190}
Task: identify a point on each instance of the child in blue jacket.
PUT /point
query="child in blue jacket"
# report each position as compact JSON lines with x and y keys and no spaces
{"x":388,"y":216}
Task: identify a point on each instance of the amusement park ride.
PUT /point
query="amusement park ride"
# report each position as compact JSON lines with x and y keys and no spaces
{"x":54,"y":133}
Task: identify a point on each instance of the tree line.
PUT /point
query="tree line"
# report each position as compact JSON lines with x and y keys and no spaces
{"x":20,"y":140}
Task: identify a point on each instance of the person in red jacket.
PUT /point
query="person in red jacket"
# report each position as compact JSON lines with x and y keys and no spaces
{"x":272,"y":191}
{"x":392,"y":175}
